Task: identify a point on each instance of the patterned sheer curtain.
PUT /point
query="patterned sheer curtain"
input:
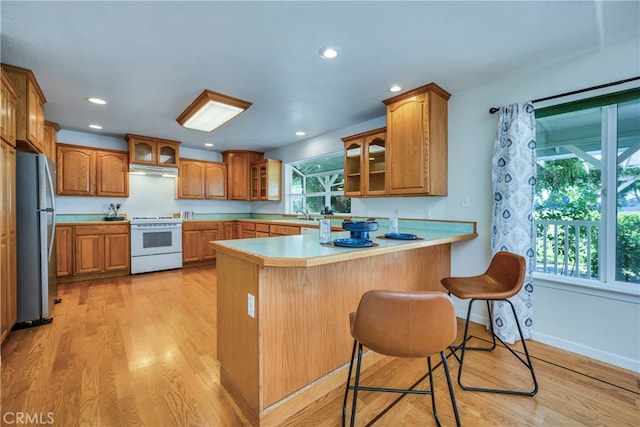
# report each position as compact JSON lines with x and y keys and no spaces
{"x":512,"y":229}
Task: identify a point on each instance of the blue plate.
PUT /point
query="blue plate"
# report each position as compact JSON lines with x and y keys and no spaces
{"x":401,"y":236}
{"x":353,"y":243}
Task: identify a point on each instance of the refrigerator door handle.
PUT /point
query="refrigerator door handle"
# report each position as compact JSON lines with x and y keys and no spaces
{"x":53,"y":236}
{"x":50,"y":188}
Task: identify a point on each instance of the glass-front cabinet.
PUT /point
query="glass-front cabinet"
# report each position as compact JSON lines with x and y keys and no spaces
{"x":153,"y":151}
{"x":375,"y":146}
{"x":266,"y":180}
{"x":365,"y":164}
{"x":353,"y":168}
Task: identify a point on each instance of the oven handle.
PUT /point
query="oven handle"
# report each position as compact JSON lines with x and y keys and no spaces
{"x":142,"y":228}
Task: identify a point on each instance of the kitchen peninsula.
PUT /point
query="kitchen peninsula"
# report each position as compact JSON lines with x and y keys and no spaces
{"x":283,"y":306}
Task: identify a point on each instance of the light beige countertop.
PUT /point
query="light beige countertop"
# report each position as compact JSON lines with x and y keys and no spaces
{"x":306,"y":251}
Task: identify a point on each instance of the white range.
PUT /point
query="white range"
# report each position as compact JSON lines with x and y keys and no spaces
{"x":156,"y":243}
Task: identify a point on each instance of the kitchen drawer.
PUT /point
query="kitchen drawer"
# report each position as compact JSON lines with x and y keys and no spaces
{"x":248,"y":226}
{"x":262,"y":227}
{"x":102,"y":229}
{"x":284,"y":230}
{"x":200,"y":225}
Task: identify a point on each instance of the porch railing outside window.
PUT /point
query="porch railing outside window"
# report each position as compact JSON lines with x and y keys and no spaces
{"x":568,"y":248}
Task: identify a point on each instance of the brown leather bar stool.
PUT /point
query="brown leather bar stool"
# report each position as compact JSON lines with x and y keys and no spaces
{"x":402,"y":324}
{"x":502,"y":280}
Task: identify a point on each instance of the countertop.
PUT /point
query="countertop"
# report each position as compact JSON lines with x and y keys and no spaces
{"x":305,"y":251}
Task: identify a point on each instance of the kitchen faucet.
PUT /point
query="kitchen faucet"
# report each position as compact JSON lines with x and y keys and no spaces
{"x":305,"y":212}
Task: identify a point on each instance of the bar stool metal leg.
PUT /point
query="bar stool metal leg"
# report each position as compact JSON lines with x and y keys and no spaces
{"x":356,"y":387}
{"x":346,"y":392}
{"x":464,"y":348}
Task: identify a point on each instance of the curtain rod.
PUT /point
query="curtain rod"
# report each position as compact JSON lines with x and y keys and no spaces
{"x":619,"y":82}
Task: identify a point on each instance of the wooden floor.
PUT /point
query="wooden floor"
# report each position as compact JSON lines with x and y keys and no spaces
{"x":142,"y":351}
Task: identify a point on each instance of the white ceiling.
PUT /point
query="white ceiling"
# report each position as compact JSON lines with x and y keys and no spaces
{"x":150,"y":60}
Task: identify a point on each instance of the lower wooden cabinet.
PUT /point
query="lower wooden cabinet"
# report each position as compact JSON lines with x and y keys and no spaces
{"x":64,"y":250}
{"x":195,"y":240}
{"x":246,"y":230}
{"x":251,"y":230}
{"x":101,"y":248}
{"x":8,"y":278}
{"x":230,"y":230}
{"x":283,"y":230}
{"x":262,"y":230}
{"x":92,"y":250}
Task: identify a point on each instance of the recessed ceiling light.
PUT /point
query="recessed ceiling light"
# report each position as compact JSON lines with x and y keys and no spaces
{"x":208,"y":144}
{"x":395,"y":88}
{"x":97,"y":101}
{"x":328,"y":52}
{"x":300,"y":133}
{"x":95,"y":126}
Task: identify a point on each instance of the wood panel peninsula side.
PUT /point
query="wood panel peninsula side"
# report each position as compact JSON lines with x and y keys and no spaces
{"x":289,"y":349}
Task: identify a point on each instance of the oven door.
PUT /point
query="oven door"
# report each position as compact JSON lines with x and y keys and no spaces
{"x":154,"y":240}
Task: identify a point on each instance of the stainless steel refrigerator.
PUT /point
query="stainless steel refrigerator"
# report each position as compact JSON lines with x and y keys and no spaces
{"x":36,"y":249}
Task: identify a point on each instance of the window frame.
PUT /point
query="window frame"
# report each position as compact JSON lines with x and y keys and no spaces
{"x":289,"y":170}
{"x":607,"y":286}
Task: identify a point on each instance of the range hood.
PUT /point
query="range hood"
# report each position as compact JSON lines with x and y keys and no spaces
{"x":164,"y":171}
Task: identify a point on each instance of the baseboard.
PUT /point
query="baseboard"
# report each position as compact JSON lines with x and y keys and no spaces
{"x":574,"y":347}
{"x":593,"y":353}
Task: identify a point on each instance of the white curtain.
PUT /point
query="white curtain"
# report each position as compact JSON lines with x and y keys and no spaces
{"x":514,"y":182}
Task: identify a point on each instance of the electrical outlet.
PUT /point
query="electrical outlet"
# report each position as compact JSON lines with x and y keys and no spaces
{"x":251,"y":305}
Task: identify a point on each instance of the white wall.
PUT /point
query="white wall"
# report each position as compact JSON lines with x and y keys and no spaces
{"x":598,"y":326}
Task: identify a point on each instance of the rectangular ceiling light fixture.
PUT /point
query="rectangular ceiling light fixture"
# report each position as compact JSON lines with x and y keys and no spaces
{"x":211,"y":110}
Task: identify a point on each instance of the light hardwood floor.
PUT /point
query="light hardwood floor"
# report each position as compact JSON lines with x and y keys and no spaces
{"x":141,"y":350}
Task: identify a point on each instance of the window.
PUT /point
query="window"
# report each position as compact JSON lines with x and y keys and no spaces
{"x":318,"y":185}
{"x":587,"y":206}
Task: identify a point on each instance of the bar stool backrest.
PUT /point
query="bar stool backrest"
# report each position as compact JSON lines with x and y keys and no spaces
{"x":405,"y":324}
{"x":507,"y":271}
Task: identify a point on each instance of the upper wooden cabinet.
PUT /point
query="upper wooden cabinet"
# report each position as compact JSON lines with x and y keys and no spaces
{"x":215,"y":180}
{"x":266,"y":180}
{"x":416,"y":158}
{"x":85,"y":171}
{"x":365,"y":164}
{"x":49,"y":140}
{"x":199,"y":179}
{"x":29,"y":108}
{"x":112,"y":173}
{"x":191,"y":179}
{"x":238,"y":173}
{"x":8,"y":99}
{"x":76,"y":170}
{"x":147,"y":150}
